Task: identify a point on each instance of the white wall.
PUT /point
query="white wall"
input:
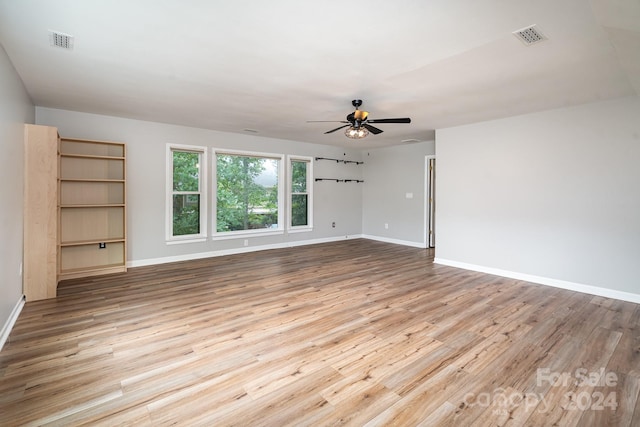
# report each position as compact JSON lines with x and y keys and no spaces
{"x":389,"y":174}
{"x":15,"y":110}
{"x":146,"y":149}
{"x":554,"y":195}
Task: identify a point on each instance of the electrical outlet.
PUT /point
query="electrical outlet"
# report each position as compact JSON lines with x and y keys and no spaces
{"x":246,"y":242}
{"x":386,"y":226}
{"x":333,"y":224}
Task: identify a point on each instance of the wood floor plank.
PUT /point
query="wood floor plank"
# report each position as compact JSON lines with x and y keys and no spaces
{"x":426,"y":398}
{"x":361,"y":405}
{"x":505,"y":407}
{"x":347,"y":333}
{"x":611,"y":405}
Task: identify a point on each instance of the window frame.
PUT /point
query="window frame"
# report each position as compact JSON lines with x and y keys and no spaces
{"x":203,"y":179}
{"x":309,"y":226}
{"x":224,"y":235}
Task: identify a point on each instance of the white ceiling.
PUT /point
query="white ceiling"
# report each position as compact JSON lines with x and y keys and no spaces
{"x":273,"y":65}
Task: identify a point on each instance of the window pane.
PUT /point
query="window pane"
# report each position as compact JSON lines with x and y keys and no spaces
{"x":299,"y":209}
{"x":299,"y":177}
{"x":186,"y":171}
{"x":247,"y":193}
{"x":186,"y":214}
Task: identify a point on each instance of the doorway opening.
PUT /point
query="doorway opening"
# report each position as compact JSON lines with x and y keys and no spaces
{"x":430,"y":199}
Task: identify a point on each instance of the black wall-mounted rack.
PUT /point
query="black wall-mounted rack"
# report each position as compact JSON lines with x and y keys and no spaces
{"x":339,"y":180}
{"x":340,"y":160}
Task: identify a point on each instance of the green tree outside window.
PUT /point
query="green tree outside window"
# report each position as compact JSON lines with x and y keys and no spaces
{"x":247,"y":192}
{"x":299,"y":194}
{"x":186,"y":193}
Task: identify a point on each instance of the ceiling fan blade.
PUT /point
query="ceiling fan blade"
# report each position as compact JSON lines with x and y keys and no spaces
{"x":327,"y":121}
{"x":401,"y":120}
{"x":333,"y":130}
{"x":372,"y":129}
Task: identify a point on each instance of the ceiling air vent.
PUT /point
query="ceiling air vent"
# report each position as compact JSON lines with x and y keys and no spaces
{"x":530,"y":35}
{"x":62,"y":40}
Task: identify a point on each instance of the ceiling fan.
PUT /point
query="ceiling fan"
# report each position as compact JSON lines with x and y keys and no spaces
{"x":358,"y":122}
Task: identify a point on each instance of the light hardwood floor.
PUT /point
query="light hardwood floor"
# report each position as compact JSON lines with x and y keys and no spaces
{"x":356,"y":332}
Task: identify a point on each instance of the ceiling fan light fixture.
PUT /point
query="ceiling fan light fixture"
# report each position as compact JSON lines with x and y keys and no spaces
{"x":356,"y":133}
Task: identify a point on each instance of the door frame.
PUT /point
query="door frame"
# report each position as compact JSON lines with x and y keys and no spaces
{"x":428,"y":220}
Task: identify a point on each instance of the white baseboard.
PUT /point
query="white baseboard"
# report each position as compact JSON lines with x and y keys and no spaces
{"x":571,"y":286}
{"x":8,"y":325}
{"x":241,"y":250}
{"x":420,"y":245}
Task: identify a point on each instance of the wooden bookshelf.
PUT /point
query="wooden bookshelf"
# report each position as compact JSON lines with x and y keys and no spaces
{"x":40,"y":231}
{"x":92,"y":208}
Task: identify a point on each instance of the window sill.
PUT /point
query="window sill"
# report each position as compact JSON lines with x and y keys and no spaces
{"x":299,"y":230}
{"x":181,"y":241}
{"x":244,"y":234}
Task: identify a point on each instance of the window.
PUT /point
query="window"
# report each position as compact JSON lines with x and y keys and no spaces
{"x":300,"y":193}
{"x":186,"y":193}
{"x":248,"y":193}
